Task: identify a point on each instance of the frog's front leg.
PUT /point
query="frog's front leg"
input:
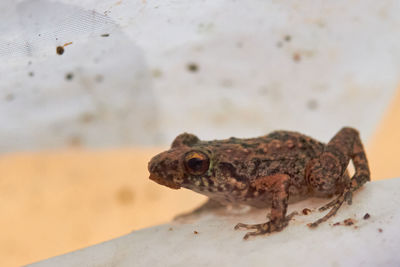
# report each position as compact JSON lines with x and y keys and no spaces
{"x":326,"y":174}
{"x":278,"y":186}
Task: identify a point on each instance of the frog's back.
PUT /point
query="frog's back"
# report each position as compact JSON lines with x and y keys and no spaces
{"x":277,"y":145}
{"x":287,"y":144}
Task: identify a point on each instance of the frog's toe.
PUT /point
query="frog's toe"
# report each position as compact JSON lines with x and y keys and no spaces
{"x":249,"y":234}
{"x":246,"y":226}
{"x":260,"y":229}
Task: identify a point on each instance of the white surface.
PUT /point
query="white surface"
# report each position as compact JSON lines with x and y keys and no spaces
{"x":133,"y":87}
{"x":217,"y":244}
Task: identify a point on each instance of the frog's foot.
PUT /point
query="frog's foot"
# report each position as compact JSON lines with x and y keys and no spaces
{"x":264,"y":228}
{"x":334,"y":205}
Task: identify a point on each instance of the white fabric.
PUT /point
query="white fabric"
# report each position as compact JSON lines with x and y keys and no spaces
{"x":262,"y":65}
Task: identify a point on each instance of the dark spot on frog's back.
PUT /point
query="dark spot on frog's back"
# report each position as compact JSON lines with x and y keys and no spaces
{"x":278,"y":135}
{"x":260,"y":151}
{"x":248,"y":145}
{"x":233,"y":140}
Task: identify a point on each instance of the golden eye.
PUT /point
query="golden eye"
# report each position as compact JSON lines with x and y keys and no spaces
{"x":196,"y":162}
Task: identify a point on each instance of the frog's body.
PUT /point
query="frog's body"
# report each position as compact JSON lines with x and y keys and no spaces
{"x":266,"y":171}
{"x":238,"y":163}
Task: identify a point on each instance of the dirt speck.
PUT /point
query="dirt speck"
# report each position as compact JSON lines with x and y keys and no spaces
{"x":312,"y":104}
{"x":125,"y":195}
{"x":336,"y":224}
{"x":306,"y":211}
{"x":287,"y":38}
{"x":380,"y":230}
{"x":366,"y":216}
{"x":31,"y":74}
{"x":227,"y":83}
{"x":348,"y":222}
{"x":296,"y":57}
{"x":195,"y":232}
{"x":192,"y":67}
{"x":99,"y":78}
{"x":105,"y":35}
{"x":86,"y":117}
{"x":156,"y":73}
{"x":69,"y":76}
{"x":10,"y":97}
{"x":74,"y":141}
{"x":60,"y":50}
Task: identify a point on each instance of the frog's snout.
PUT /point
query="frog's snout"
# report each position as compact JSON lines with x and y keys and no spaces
{"x":160,"y":175}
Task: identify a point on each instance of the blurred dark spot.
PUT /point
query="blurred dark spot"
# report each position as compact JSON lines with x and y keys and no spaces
{"x":193,"y":67}
{"x":60,"y":50}
{"x":195,"y":232}
{"x":10,"y":97}
{"x":312,"y":104}
{"x":287,"y":38}
{"x":31,"y":74}
{"x":156,"y":73}
{"x":320,"y":23}
{"x":74,"y":141}
{"x":306,"y":211}
{"x":239,"y":44}
{"x":69,"y":76}
{"x":366,"y":216}
{"x":348,"y":222}
{"x":279,"y":44}
{"x":227,"y":83}
{"x":105,"y":35}
{"x":86,"y":117}
{"x":99,"y":78}
{"x":125,"y":195}
{"x":29,"y":62}
{"x":296,"y":57}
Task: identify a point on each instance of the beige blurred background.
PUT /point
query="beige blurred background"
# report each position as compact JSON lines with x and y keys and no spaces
{"x":54,"y":202}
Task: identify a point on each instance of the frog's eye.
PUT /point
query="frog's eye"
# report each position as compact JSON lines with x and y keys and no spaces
{"x":196,"y":162}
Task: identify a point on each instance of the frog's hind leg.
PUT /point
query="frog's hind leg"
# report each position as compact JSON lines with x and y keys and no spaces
{"x":326,"y":173}
{"x":279,"y":185}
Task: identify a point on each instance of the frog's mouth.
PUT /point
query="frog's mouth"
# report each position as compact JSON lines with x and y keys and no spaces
{"x":163,"y":181}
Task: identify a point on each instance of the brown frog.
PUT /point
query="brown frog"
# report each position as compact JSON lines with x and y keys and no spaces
{"x":267,"y":171}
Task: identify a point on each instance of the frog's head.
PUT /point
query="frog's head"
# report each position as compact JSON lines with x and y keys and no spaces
{"x":173,"y":167}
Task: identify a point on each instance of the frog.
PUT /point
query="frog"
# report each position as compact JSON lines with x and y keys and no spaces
{"x":269,"y":171}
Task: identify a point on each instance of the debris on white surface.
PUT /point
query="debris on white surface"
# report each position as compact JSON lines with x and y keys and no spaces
{"x":141,"y":72}
{"x":363,"y":234}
